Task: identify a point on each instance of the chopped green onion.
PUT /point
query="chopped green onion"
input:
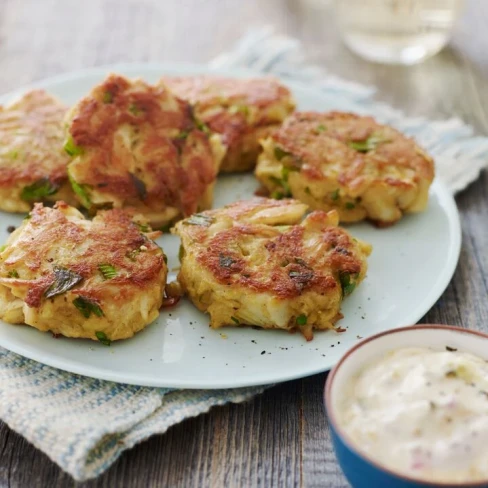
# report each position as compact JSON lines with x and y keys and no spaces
{"x":346,"y":283}
{"x":143,"y":227}
{"x":81,"y":190}
{"x":235,"y":320}
{"x":202,"y":126}
{"x":350,"y":205}
{"x":280,"y":153}
{"x":134,"y":109}
{"x":13,"y":274}
{"x":39,"y":189}
{"x":335,"y":195}
{"x":367,"y":145}
{"x":321,"y":128}
{"x":102,"y":337}
{"x":2,"y":248}
{"x":301,"y":320}
{"x":87,"y":306}
{"x":183,"y":134}
{"x":277,"y":195}
{"x":71,"y":148}
{"x":108,"y":271}
{"x":108,"y":97}
{"x":64,"y":280}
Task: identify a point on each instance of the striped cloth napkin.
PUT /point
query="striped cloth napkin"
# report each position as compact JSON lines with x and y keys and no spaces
{"x":84,"y":424}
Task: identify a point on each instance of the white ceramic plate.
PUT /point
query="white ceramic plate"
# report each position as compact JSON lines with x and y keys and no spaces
{"x":410,"y":267}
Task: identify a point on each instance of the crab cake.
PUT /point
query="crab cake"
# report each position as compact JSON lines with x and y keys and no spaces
{"x":243,"y":111}
{"x":349,"y":163}
{"x":102,"y":279}
{"x":136,"y":145}
{"x":32,"y":160}
{"x":271,"y":264}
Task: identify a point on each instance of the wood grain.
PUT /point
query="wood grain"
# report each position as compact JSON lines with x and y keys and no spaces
{"x":280,"y":438}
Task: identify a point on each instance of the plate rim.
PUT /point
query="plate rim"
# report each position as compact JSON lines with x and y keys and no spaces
{"x":442,"y":282}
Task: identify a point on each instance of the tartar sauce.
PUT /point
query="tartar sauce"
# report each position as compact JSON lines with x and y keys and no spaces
{"x":422,"y":413}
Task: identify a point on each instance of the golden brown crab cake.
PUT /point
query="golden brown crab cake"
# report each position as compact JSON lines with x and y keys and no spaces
{"x":102,"y":279}
{"x":243,"y":111}
{"x":32,"y":160}
{"x":268,"y":263}
{"x":137,"y":145}
{"x":349,"y":163}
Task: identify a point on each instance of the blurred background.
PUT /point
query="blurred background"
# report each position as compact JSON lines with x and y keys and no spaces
{"x":40,"y":38}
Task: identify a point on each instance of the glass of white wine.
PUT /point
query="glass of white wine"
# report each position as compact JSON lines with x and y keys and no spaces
{"x":396,"y":31}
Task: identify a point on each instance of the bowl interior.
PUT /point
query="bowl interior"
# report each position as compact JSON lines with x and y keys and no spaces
{"x":437,"y":337}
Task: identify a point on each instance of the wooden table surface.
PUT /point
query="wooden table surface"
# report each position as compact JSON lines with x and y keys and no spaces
{"x":280,"y":438}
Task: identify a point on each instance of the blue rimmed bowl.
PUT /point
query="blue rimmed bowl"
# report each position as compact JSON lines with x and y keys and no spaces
{"x":361,"y":470}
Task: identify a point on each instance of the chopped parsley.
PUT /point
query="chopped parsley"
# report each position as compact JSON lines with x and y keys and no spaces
{"x":277,"y":195}
{"x":350,"y":205}
{"x":102,"y":337}
{"x":39,"y":189}
{"x":64,"y":280}
{"x":87,"y":307}
{"x":134,"y":109}
{"x":143,"y":227}
{"x":236,"y":321}
{"x":321,"y":128}
{"x":13,"y":274}
{"x":108,"y":271}
{"x":335,"y":195}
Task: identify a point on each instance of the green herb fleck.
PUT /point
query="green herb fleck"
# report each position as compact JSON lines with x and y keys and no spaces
{"x":132,"y":254}
{"x":71,"y":148}
{"x":102,"y":337}
{"x":235,"y":320}
{"x":143,"y":227}
{"x":108,"y":271}
{"x":335,"y":195}
{"x":183,"y":134}
{"x":199,"y":219}
{"x":2,"y":248}
{"x":134,"y":109}
{"x":202,"y":126}
{"x":367,"y":145}
{"x":277,"y":195}
{"x":81,"y":191}
{"x":13,"y":274}
{"x":14,"y":154}
{"x":243,"y":109}
{"x":64,"y":280}
{"x":350,"y":205}
{"x":321,"y":128}
{"x":108,"y":97}
{"x":87,"y":307}
{"x":301,"y":320}
{"x":39,"y":189}
{"x":280,"y":153}
{"x":346,"y":283}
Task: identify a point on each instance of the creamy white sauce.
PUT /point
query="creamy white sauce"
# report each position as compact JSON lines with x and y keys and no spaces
{"x":422,"y":413}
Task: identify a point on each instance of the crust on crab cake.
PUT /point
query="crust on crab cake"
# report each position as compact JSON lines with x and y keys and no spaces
{"x":243,"y":111}
{"x":102,"y":279}
{"x":32,"y":160}
{"x":349,"y":163}
{"x":271,"y":264}
{"x":137,"y":145}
